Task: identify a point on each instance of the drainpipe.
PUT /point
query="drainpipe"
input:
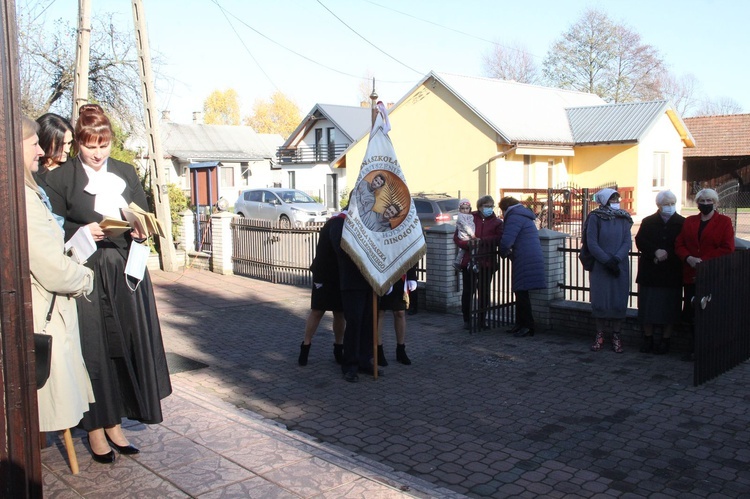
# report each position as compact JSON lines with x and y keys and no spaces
{"x":497,"y":156}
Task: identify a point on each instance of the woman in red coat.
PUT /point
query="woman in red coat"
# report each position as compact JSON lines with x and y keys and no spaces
{"x":703,"y":237}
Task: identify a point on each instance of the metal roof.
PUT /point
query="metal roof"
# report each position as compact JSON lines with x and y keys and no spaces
{"x":198,"y":142}
{"x":519,"y":112}
{"x":614,"y":123}
{"x":353,"y":121}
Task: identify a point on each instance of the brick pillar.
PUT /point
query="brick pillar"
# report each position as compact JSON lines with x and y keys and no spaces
{"x":221,"y":243}
{"x":187,"y":231}
{"x":554,"y":267}
{"x":443,"y":293}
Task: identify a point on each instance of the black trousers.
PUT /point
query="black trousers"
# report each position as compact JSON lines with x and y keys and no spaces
{"x":358,"y":333}
{"x":524,"y":316}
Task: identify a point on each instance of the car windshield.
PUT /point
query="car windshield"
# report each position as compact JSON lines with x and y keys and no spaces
{"x":295,"y":197}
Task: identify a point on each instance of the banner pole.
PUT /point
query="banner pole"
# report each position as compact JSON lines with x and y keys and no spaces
{"x":375,"y":333}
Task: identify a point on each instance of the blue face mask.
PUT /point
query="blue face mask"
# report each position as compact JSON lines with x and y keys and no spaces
{"x":487,"y":212}
{"x":668,"y":209}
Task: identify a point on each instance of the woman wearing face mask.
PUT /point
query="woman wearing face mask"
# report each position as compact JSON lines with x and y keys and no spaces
{"x":703,"y":237}
{"x":659,"y":273}
{"x":488,"y":229}
{"x":120,"y":332}
{"x":608,"y":237}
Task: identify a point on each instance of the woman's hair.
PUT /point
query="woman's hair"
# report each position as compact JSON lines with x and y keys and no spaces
{"x":485,"y":200}
{"x":52,"y":130}
{"x":708,"y":194}
{"x":93,"y":126}
{"x":29,"y":127}
{"x":665,"y":197}
{"x":507,"y":202}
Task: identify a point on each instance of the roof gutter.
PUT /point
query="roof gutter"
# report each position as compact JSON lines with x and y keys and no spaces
{"x":495,"y":157}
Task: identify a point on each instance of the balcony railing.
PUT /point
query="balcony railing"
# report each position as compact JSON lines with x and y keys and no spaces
{"x":321,"y":154}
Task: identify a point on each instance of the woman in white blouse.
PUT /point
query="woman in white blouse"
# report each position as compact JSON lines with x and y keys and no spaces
{"x":120,"y":331}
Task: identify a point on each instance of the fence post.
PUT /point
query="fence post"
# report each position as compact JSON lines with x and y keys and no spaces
{"x":442,"y":293}
{"x":221,"y":243}
{"x":187,"y":231}
{"x":554,"y":270}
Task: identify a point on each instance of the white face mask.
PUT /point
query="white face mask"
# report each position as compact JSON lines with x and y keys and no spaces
{"x":668,"y":209}
{"x":614,"y":206}
{"x":135,"y":267}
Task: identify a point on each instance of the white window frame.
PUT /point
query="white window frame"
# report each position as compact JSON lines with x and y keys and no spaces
{"x":659,"y":174}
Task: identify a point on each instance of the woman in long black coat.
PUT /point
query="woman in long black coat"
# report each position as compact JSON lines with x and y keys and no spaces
{"x":659,"y":272}
{"x":120,"y":332}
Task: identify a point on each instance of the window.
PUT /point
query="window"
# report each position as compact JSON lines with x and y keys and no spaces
{"x":292,"y":180}
{"x":526,"y":171}
{"x":227,"y":176}
{"x":256,"y":196}
{"x":318,"y":144}
{"x":331,"y":132}
{"x":660,"y":170}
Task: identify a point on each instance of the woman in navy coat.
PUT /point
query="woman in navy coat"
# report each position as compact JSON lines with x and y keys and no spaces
{"x":520,"y":243}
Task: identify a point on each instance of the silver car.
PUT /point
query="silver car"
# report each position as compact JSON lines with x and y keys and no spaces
{"x":287,"y":207}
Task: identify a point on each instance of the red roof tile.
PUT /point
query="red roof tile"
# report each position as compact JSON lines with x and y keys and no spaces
{"x":727,"y":135}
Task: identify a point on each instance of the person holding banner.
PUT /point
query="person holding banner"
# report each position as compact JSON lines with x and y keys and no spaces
{"x":488,"y":229}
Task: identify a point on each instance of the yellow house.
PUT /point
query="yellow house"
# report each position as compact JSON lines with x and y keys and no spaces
{"x":471,"y":136}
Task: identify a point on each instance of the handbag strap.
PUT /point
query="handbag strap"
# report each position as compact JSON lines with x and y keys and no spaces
{"x":51,"y":306}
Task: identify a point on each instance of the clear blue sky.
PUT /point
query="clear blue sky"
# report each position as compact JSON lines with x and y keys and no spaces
{"x":399,"y":41}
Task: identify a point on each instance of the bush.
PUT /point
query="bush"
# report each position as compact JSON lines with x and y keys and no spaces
{"x":178,"y":202}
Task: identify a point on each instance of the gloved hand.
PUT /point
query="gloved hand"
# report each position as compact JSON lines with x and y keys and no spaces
{"x":613,"y":267}
{"x":318,"y":285}
{"x":411,"y":285}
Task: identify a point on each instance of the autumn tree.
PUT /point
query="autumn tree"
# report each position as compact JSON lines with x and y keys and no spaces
{"x":47,"y":64}
{"x":599,"y":56}
{"x":277,"y":115}
{"x":681,"y":92}
{"x":222,"y":108}
{"x":511,"y":62}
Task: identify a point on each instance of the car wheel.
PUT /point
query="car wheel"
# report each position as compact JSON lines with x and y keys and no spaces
{"x":284,"y":222}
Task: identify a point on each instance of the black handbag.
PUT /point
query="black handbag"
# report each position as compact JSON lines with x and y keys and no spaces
{"x":43,"y":350}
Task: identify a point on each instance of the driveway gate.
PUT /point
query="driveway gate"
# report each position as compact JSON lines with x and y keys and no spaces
{"x":722,"y":294}
{"x":492,"y":302}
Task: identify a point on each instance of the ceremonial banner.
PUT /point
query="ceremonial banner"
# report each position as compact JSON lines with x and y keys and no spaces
{"x":382,"y":233}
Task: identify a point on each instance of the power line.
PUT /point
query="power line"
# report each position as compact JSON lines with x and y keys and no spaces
{"x":224,"y":13}
{"x":368,"y":41}
{"x":293,"y":51}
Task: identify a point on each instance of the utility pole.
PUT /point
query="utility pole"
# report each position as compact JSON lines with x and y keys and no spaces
{"x":81,"y":76}
{"x":155,"y":152}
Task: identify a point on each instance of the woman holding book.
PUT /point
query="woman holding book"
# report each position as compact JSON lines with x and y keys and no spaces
{"x":120,"y":332}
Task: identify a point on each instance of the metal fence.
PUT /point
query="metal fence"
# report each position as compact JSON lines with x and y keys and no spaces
{"x":267,"y":251}
{"x":203,"y":232}
{"x":492,"y":299}
{"x":576,"y":284}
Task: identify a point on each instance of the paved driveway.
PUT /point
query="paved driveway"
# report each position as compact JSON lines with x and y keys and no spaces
{"x":486,"y":415}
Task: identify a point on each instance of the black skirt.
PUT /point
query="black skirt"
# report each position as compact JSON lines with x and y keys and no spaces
{"x":326,"y":297}
{"x":122,"y":345}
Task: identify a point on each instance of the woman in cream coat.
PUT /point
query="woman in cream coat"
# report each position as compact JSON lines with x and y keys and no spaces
{"x":67,"y":393}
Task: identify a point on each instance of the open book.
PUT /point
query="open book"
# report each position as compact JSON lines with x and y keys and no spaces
{"x":142,"y":221}
{"x":114,"y":226}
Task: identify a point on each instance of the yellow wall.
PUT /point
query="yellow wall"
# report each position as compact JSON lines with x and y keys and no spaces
{"x":441,"y":145}
{"x":596,"y":165}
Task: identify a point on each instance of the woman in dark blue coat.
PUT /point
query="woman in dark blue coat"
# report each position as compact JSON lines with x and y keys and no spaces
{"x":520,"y":243}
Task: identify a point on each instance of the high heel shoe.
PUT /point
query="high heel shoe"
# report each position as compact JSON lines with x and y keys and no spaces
{"x":107,"y":458}
{"x":128,"y":450}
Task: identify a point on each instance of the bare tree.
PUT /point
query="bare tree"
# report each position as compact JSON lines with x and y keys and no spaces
{"x":47,"y":65}
{"x":680,"y":91}
{"x":599,"y":56}
{"x":720,"y":106}
{"x":511,"y":62}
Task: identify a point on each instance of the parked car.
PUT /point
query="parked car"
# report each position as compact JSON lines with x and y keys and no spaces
{"x":288,"y":207}
{"x":436,"y":209}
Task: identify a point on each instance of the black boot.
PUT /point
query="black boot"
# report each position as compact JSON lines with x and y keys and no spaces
{"x":304,"y":351}
{"x":648,"y":344}
{"x":663,"y":347}
{"x":381,"y":357}
{"x":338,"y":353}
{"x":401,"y":355}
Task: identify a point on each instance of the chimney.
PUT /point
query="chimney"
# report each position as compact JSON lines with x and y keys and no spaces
{"x":165,"y":115}
{"x":197,"y":118}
